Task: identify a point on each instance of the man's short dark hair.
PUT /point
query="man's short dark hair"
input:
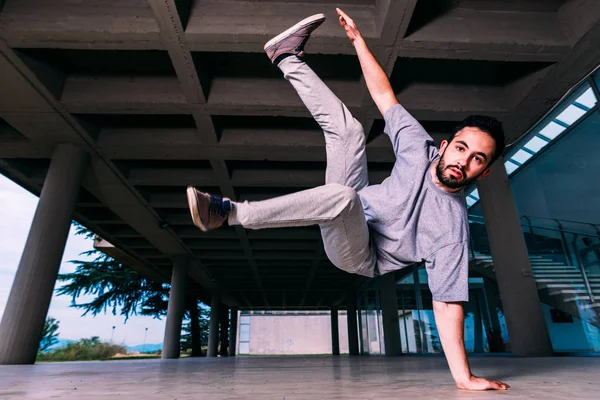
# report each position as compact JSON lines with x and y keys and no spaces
{"x":489,"y":125}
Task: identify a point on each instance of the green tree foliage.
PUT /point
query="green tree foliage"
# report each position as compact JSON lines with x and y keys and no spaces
{"x":115,"y":287}
{"x":49,"y":334}
{"x":119,"y":289}
{"x":186,"y":330}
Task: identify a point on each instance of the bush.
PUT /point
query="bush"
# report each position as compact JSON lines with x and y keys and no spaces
{"x":84,"y":350}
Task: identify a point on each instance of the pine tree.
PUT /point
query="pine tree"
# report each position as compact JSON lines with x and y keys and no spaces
{"x":122,"y":290}
{"x":49,"y":334}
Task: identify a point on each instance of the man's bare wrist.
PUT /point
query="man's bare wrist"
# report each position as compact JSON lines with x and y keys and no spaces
{"x":359,"y":42}
{"x":463,"y":378}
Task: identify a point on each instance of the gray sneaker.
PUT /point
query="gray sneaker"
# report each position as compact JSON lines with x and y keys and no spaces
{"x":208,"y":212}
{"x":292,"y":40}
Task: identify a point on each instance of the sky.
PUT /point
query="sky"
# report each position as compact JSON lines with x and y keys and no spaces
{"x":17,"y":207}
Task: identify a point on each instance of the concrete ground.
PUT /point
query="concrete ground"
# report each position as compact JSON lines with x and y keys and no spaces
{"x":298,"y":378}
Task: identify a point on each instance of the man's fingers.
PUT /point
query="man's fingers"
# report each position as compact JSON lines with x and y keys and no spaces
{"x":498,"y":385}
{"x":343,"y":14}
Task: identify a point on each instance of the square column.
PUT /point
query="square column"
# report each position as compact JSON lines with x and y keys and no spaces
{"x":518,"y":291}
{"x":352,"y":323}
{"x":213,"y":333}
{"x":224,"y":334}
{"x":389,"y":310}
{"x":23,"y":319}
{"x":195,"y":326}
{"x":175,"y":311}
{"x":233,"y":331}
{"x":335,"y":332}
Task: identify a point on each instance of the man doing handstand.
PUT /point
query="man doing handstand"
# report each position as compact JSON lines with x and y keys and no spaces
{"x":417,"y":214}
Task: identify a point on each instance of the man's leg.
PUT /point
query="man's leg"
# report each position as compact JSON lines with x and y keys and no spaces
{"x":335,"y":208}
{"x":344,"y":135}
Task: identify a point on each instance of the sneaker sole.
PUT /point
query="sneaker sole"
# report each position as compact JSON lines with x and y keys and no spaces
{"x":302,"y":24}
{"x":193,"y":205}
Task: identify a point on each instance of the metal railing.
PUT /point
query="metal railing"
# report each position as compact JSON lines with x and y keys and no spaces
{"x":573,"y":243}
{"x":561,"y":222}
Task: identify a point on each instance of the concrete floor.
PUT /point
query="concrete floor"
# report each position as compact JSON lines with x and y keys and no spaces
{"x":298,"y":378}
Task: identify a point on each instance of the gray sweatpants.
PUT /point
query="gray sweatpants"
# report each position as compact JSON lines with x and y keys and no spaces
{"x":335,"y":207}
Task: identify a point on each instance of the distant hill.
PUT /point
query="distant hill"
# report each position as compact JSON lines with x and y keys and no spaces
{"x":148,"y":348}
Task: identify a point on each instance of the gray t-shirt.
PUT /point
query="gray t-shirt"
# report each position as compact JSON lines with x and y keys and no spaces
{"x":412,"y":220}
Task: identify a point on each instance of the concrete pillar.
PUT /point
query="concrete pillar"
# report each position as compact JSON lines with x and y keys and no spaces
{"x":389,"y":309}
{"x":213,"y":333}
{"x":352,"y":323}
{"x":224,"y":335}
{"x":195,"y":327}
{"x":29,"y":299}
{"x":335,"y":332}
{"x":175,"y":310}
{"x":233,"y":331}
{"x":521,"y":304}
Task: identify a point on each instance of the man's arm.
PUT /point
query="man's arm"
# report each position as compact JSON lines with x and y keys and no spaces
{"x":377,"y":81}
{"x":449,"y":318}
{"x":448,"y":280}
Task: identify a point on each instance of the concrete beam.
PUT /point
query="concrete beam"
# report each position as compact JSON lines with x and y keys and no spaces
{"x":192,"y":77}
{"x":23,"y":149}
{"x":123,"y":95}
{"x":172,"y":34}
{"x":579,"y":61}
{"x":32,"y":23}
{"x":394,"y":18}
{"x":290,"y":178}
{"x":272,"y":97}
{"x":215,"y":26}
{"x":215,"y":22}
{"x":171,"y":177}
{"x":143,"y":268}
{"x":461,"y":25}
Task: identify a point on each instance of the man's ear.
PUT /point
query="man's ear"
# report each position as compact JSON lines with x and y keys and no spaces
{"x":443,"y":146}
{"x":484,"y":173}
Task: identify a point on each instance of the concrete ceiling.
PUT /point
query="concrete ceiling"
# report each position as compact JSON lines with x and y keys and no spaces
{"x":165,"y":93}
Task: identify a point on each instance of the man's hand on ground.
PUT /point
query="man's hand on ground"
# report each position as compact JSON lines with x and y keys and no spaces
{"x":475,"y":383}
{"x":349,"y":26}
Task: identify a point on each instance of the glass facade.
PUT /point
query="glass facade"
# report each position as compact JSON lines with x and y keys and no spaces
{"x":370,"y":326}
{"x":485,"y":329}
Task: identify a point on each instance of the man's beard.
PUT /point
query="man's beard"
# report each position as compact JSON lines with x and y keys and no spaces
{"x":451,"y":181}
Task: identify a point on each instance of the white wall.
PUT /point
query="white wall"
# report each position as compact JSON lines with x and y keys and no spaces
{"x":294,"y":334}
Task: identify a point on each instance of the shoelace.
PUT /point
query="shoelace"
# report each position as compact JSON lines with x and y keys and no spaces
{"x":219,"y":207}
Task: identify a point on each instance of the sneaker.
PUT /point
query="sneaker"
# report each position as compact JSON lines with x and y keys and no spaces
{"x":292,"y":41}
{"x":208,"y":212}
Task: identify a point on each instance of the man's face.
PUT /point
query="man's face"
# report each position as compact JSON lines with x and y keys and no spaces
{"x":465,"y":159}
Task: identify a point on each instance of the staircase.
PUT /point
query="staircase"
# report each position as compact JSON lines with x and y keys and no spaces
{"x":560,"y":285}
